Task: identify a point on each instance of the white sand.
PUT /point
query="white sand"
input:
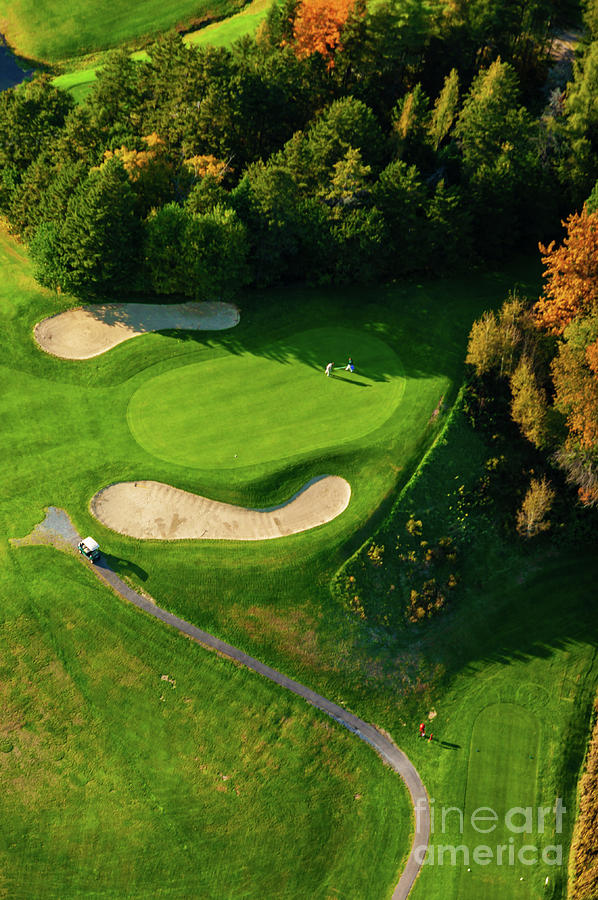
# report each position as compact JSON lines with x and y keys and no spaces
{"x":152,"y":510}
{"x":91,"y":330}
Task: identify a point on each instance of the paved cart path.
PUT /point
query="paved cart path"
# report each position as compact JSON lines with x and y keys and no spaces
{"x":58,"y":530}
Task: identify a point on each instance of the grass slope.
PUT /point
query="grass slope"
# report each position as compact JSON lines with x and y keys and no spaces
{"x":508,"y":674}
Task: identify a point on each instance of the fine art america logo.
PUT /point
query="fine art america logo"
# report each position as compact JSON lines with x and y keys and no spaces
{"x":523,"y":847}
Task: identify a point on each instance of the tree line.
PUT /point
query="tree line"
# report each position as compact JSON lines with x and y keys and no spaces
{"x":547,"y":354}
{"x":341,"y":144}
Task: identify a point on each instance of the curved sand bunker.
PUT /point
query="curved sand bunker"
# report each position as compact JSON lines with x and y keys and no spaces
{"x":152,"y":510}
{"x":91,"y":330}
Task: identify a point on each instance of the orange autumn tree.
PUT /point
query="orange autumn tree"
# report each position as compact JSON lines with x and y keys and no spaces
{"x":571,"y":274}
{"x":568,"y":308}
{"x":136,"y":161}
{"x":318,"y":27}
{"x":575,"y":377}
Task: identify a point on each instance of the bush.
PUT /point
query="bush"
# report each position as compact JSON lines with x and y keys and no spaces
{"x":532,"y":517}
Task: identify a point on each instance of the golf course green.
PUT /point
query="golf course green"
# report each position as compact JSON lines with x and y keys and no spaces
{"x":226,"y":412}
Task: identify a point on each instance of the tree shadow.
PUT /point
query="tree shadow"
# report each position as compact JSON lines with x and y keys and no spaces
{"x":425,"y":325}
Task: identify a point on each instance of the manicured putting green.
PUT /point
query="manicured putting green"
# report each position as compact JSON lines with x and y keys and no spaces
{"x":274,"y":404}
{"x":502,"y":775}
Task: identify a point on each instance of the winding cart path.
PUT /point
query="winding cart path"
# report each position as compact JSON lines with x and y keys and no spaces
{"x":57,"y":529}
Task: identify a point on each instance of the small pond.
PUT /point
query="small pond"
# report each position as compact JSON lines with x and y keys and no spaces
{"x":11,"y":72}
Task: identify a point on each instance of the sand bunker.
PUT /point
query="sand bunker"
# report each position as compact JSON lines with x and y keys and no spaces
{"x":91,"y":330}
{"x":152,"y":510}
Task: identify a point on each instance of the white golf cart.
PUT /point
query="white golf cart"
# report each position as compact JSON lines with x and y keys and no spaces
{"x":89,"y":548}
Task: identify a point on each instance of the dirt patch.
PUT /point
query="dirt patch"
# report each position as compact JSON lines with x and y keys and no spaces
{"x":92,"y":330}
{"x":56,"y":529}
{"x":154,"y":511}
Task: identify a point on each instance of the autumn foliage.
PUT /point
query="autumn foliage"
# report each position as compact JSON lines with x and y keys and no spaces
{"x":576,"y":385}
{"x":318,"y":27}
{"x":584,"y":848}
{"x":571,"y":274}
{"x":135,"y":161}
{"x":550,"y":354}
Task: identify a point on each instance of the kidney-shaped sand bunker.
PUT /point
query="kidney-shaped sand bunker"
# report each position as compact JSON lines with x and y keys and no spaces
{"x":89,"y":331}
{"x":152,"y":510}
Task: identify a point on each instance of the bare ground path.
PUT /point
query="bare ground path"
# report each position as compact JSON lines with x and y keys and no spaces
{"x":58,"y":530}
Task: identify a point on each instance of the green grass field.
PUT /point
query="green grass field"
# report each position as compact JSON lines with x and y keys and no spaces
{"x":233,"y":411}
{"x":54,"y":30}
{"x":65,"y":435}
{"x":132,"y":762}
{"x":135,"y":764}
{"x":518,"y":648}
{"x":80,"y":81}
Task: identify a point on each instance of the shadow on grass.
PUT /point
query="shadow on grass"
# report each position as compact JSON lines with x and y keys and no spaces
{"x":425,"y":324}
{"x":352,"y":381}
{"x":122,"y":566}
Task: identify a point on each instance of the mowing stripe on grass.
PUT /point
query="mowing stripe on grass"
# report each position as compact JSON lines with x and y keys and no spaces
{"x":502,"y":775}
{"x":383,"y":745}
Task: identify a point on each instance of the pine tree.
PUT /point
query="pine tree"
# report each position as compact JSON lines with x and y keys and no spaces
{"x":97,"y":245}
{"x":445,"y":109}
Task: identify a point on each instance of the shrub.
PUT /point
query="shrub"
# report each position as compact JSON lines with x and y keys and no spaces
{"x":532,"y":517}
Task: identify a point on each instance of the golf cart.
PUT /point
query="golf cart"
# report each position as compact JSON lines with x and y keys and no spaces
{"x":89,"y":548}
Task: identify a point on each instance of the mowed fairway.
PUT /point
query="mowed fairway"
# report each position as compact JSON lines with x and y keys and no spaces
{"x":502,"y":775}
{"x":243,"y":410}
{"x":52,"y":30}
{"x":133,"y":763}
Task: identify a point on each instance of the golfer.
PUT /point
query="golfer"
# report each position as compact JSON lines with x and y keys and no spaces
{"x":329,"y":369}
{"x":350,"y":367}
